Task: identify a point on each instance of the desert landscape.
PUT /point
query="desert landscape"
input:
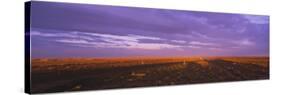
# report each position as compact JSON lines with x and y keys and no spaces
{"x":75,"y":74}
{"x":75,"y":47}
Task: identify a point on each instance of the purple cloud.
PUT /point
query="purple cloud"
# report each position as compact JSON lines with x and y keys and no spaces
{"x":70,"y":30}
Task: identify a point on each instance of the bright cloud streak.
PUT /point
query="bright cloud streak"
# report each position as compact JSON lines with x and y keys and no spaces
{"x":110,"y":41}
{"x":179,"y":41}
{"x":244,"y":42}
{"x":202,"y":43}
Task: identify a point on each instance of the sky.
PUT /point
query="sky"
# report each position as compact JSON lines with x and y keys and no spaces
{"x":86,"y":30}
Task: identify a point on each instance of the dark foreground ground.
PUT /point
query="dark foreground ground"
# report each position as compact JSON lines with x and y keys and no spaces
{"x":58,"y":75}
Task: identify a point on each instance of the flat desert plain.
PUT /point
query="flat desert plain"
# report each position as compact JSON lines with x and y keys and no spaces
{"x":71,"y":74}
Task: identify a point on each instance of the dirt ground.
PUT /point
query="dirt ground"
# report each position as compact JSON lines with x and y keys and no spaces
{"x":76,"y":74}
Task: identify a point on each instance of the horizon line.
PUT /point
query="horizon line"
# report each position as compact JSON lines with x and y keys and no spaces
{"x":148,"y":57}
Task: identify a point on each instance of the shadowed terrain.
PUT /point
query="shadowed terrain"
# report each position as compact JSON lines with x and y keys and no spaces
{"x":71,"y":74}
